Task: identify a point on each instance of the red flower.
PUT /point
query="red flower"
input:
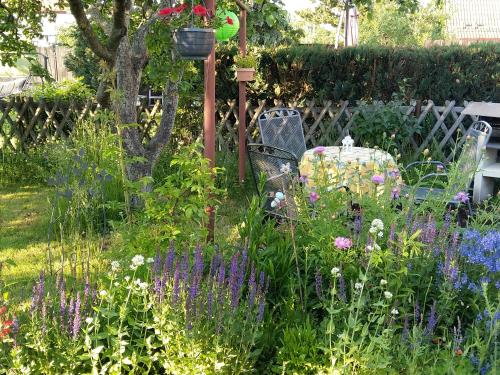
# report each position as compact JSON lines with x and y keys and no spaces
{"x":229,"y":20}
{"x":200,"y":10}
{"x":166,"y":11}
{"x":5,"y":332}
{"x":181,"y":8}
{"x":3,"y":309}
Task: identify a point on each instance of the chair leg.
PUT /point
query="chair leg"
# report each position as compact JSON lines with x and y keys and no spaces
{"x":483,"y":187}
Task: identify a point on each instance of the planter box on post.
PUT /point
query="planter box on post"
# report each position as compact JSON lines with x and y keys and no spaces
{"x":194,"y":43}
{"x":245,"y":74}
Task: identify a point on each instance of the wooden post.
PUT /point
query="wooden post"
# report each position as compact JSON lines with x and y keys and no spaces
{"x":347,"y":25}
{"x":209,"y":119}
{"x":242,"y":98}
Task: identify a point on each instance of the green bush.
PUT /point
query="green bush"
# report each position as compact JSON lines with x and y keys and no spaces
{"x":370,"y":73}
{"x":66,"y":91}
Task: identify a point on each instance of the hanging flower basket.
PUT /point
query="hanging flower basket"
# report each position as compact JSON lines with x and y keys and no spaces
{"x":245,"y":74}
{"x":194,"y":43}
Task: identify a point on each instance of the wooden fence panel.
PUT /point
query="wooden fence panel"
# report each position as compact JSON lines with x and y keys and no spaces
{"x":25,"y":123}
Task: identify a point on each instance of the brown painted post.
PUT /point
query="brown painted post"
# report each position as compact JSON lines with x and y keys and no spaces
{"x":242,"y":98}
{"x":209,"y":118}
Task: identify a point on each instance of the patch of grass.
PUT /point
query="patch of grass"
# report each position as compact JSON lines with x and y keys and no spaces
{"x":24,"y":219}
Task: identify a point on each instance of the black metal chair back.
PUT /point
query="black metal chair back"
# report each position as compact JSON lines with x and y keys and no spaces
{"x":282,"y":128}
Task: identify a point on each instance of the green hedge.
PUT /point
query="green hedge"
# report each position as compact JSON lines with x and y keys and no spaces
{"x":304,"y":72}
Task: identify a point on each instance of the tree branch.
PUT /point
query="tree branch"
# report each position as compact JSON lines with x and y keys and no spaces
{"x":139,"y":49}
{"x":120,"y":23}
{"x":85,"y":27}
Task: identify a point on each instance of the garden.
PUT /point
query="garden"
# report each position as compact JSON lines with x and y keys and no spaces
{"x":353,"y":244}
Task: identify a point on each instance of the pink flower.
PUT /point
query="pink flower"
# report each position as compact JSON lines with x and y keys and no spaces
{"x":200,"y":10}
{"x":377,"y":179}
{"x":319,"y":150}
{"x":462,"y":197}
{"x":343,"y":243}
{"x":313,"y":196}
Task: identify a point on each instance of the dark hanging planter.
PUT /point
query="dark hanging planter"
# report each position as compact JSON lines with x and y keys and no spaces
{"x":194,"y":43}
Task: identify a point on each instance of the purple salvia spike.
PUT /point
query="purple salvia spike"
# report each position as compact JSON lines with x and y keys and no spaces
{"x":175,"y":289}
{"x":233,"y":281}
{"x":416,"y":314}
{"x":221,"y":282}
{"x":252,"y":287}
{"x":319,"y":284}
{"x":169,"y":261}
{"x":342,"y":294}
{"x":77,"y":319}
{"x":392,"y":232}
{"x":157,"y":263}
{"x":210,"y":298}
{"x":44,"y":317}
{"x":432,"y":321}
{"x":71,"y":310}
{"x":15,"y":330}
{"x":357,"y":224}
{"x":406,"y":329}
{"x":62,"y":304}
{"x":34,"y":299}
{"x":185,"y":271}
{"x":157,"y":287}
{"x":243,"y":268}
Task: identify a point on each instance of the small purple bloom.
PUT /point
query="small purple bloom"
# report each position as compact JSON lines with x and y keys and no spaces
{"x":175,"y":289}
{"x":303,"y":179}
{"x":319,"y":284}
{"x":77,"y":319}
{"x":462,"y":197}
{"x":313,"y":197}
{"x":378,"y":179}
{"x":395,"y":193}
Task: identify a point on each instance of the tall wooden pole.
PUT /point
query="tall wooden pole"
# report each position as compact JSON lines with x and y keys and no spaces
{"x":209,"y":118}
{"x":242,"y":98}
{"x":347,"y":25}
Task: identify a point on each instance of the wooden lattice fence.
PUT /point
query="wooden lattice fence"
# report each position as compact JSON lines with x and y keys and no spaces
{"x":25,"y":122}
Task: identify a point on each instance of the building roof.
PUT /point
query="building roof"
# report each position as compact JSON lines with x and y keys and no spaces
{"x":473,"y":19}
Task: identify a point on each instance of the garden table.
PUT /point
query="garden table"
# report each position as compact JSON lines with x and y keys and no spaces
{"x":362,"y":170}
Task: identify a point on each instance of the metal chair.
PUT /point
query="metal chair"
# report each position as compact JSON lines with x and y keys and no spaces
{"x":279,"y":167}
{"x":282,"y":128}
{"x":475,"y":138}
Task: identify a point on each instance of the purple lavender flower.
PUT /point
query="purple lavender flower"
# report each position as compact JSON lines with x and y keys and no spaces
{"x":252,"y":287}
{"x":233,"y":281}
{"x":210,"y":299}
{"x":416,"y":313}
{"x":262,"y":305}
{"x":342,"y":293}
{"x":185,"y":271}
{"x":357,"y":224}
{"x":62,"y":304}
{"x":157,"y":263}
{"x":242,"y":269}
{"x":169,"y":262}
{"x":15,"y":329}
{"x":319,"y":284}
{"x":432,"y":321}
{"x":71,"y":310}
{"x":77,"y":319}
{"x":175,"y":289}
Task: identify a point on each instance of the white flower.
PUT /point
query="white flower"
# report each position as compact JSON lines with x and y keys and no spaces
{"x":150,"y":260}
{"x":335,"y":271}
{"x":115,"y":266}
{"x":378,"y":224}
{"x":137,"y":261}
{"x":285,"y":168}
{"x":395,"y":311}
{"x":369,"y":247}
{"x":88,"y":320}
{"x":127,"y":278}
{"x":383,"y":282}
{"x":380,"y":234}
{"x":376,"y":247}
{"x":387,"y":295}
{"x":372,"y":230}
{"x":358,"y":286}
{"x":143,"y":285}
{"x":103,"y":293}
{"x":116,"y":284}
{"x":137,"y":281}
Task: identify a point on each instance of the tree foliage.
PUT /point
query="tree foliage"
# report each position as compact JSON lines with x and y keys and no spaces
{"x":20,"y":23}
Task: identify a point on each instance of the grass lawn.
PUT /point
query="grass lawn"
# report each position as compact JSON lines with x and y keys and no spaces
{"x":23,"y":236}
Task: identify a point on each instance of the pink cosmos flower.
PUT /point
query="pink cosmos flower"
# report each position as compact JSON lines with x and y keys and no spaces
{"x":313,"y":197}
{"x":378,"y":179}
{"x":343,"y":243}
{"x":320,"y":150}
{"x":462,"y":197}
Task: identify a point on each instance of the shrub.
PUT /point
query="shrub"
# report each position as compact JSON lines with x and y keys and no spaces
{"x":65,"y":91}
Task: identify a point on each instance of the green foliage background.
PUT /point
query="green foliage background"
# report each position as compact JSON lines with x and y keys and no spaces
{"x":370,"y":73}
